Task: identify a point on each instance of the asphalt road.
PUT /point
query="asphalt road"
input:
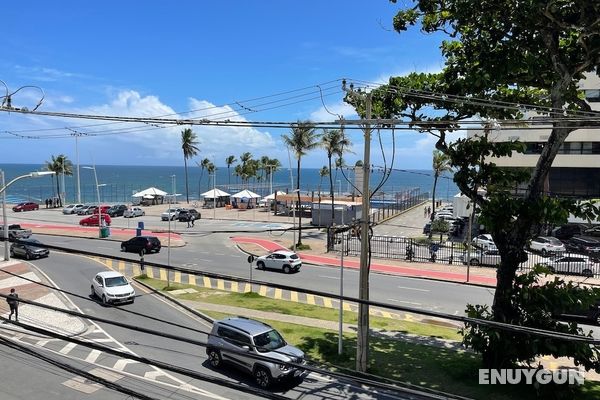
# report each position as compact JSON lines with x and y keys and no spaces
{"x":73,"y":274}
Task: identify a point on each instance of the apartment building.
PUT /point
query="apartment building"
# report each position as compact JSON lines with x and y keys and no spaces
{"x":576,"y":169}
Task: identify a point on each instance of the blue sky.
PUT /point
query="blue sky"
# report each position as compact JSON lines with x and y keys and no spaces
{"x":156,"y":58}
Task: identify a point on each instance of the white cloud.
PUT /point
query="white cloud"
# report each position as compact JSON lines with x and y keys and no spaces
{"x":340,"y":108}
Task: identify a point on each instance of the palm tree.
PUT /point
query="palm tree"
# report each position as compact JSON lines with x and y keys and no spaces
{"x":272,"y":166}
{"x":203,"y":164}
{"x":334,"y":141}
{"x":441,"y":164}
{"x":323,"y":172}
{"x":189,"y":145}
{"x":59,"y":165}
{"x":229,"y":161}
{"x":302,"y":139}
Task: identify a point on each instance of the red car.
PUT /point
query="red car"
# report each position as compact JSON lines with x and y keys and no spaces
{"x":92,"y":220}
{"x":28,"y":206}
{"x":104,"y":209}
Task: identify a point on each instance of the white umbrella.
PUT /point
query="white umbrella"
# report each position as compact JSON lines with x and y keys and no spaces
{"x":151,"y":191}
{"x":211,"y":194}
{"x":272,"y":195}
{"x":246,"y":194}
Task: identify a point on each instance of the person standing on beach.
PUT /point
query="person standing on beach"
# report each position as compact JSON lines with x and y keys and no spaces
{"x":13,"y":302}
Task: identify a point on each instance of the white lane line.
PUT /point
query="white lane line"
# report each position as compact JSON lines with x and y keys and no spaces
{"x":405,"y":302}
{"x":93,"y":356}
{"x":122,"y":363}
{"x":329,"y":277}
{"x":411,"y":288}
{"x":203,"y":259}
{"x":68,"y":347}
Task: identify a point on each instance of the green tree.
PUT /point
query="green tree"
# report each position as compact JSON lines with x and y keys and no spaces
{"x":59,"y":165}
{"x":323,"y":172}
{"x":334,"y":142}
{"x":189,"y":145}
{"x":273,"y":165}
{"x":301,"y":140}
{"x":203,"y":165}
{"x":229,"y":161}
{"x":516,"y":52}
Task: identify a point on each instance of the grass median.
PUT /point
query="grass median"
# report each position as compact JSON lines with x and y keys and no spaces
{"x":417,"y":353}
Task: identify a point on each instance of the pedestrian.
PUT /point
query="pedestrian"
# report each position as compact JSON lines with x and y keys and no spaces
{"x":47,"y":201}
{"x":425,"y":212}
{"x":13,"y":302}
{"x":429,"y":211}
{"x":192,"y":219}
{"x":189,"y":220}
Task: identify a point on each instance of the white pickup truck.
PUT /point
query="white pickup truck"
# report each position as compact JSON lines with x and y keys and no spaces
{"x":15,"y":232}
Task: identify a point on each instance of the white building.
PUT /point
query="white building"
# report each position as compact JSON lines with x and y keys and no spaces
{"x":576,"y":169}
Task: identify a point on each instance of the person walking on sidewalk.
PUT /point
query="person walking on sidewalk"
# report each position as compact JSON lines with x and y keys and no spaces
{"x":13,"y":302}
{"x":192,"y":219}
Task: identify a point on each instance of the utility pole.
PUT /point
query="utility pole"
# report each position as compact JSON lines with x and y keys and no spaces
{"x":362,"y":343}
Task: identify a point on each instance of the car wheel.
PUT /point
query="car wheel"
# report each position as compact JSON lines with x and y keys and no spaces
{"x":260,"y":265}
{"x":214,"y":358}
{"x":544,"y":253}
{"x":12,"y":253}
{"x":92,"y":291}
{"x":173,"y":218}
{"x":474,"y":261}
{"x":587,"y":273}
{"x":85,"y":224}
{"x":104,"y":301}
{"x":123,"y":248}
{"x":287,"y":269}
{"x":262,"y":377}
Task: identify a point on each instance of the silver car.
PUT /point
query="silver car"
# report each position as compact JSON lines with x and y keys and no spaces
{"x":482,"y":257}
{"x":283,"y":260}
{"x":238,"y":341}
{"x":572,"y":263}
{"x":133,"y":212}
{"x":547,"y":245}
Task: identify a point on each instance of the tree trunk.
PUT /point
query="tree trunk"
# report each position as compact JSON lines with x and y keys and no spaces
{"x":331,"y":191}
{"x":187,"y":188}
{"x":298,"y":207}
{"x":58,"y":191}
{"x":435,"y":179}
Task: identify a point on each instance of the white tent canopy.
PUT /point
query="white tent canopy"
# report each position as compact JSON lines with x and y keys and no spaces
{"x":150,"y":193}
{"x":272,"y":195}
{"x":245,"y":194}
{"x":211,"y":194}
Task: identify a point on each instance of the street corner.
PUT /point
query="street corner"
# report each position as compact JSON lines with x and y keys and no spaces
{"x":31,"y":285}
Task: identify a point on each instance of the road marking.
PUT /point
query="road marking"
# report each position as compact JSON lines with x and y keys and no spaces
{"x":93,"y":356}
{"x":329,"y":277}
{"x":68,"y":347}
{"x":122,"y":363}
{"x":405,"y":302}
{"x":417,"y":289}
{"x":310,"y":299}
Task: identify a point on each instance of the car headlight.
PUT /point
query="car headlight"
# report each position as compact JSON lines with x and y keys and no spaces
{"x":283,"y":367}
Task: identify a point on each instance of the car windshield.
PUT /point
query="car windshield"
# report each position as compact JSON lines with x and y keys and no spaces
{"x":553,"y":240}
{"x":116,"y":281}
{"x":268,"y":341}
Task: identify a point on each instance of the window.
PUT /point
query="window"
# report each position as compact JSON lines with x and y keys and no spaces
{"x":592,"y":95}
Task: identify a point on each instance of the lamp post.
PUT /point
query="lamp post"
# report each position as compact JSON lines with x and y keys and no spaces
{"x":339,"y":182}
{"x":341,"y":322}
{"x":98,"y":196}
{"x":34,"y":174}
{"x":214,"y":196}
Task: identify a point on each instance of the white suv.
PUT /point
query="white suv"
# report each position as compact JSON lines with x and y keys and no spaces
{"x":170,"y":214}
{"x":256,"y":348}
{"x":112,"y":287}
{"x":283,"y":260}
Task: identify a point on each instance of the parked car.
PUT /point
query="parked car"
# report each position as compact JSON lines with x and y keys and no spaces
{"x":27,"y":206}
{"x":427,"y":228}
{"x":593,"y":231}
{"x":590,"y":314}
{"x":237,"y":340}
{"x":185,"y":214}
{"x":28,"y":248}
{"x":103,"y":209}
{"x":485,"y":241}
{"x":571,"y":263}
{"x":15,"y":231}
{"x":134,"y":212}
{"x":283,"y":260}
{"x":171,"y":213}
{"x":92,"y":220}
{"x":546,"y":245}
{"x":86,"y":210}
{"x":585,"y":245}
{"x":482,"y":257}
{"x":117,"y":210}
{"x":112,"y":287}
{"x":141,"y":245}
{"x":72,"y":209}
{"x":567,"y":231}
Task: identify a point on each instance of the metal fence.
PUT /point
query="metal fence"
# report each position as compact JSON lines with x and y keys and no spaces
{"x":452,"y":253}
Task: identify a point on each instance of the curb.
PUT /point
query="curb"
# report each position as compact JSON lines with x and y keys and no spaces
{"x":175,"y":301}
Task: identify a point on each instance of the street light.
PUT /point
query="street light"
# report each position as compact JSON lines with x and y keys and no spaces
{"x":35,"y":174}
{"x":98,"y":195}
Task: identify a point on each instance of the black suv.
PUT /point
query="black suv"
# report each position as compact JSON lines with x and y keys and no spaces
{"x":566,"y":232}
{"x":141,"y":245}
{"x":584,"y":245}
{"x":186,"y":213}
{"x":117,"y":210}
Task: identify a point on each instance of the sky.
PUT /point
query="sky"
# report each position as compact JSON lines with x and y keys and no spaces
{"x":251,"y":61}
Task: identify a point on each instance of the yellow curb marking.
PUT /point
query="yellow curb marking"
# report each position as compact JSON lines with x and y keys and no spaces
{"x":192,"y":279}
{"x":177,"y":277}
{"x":235,"y":287}
{"x":278,"y":294}
{"x":220,"y":284}
{"x":149,"y":272}
{"x":262,"y":290}
{"x":310,"y":299}
{"x":294,"y":297}
{"x":346,"y":306}
{"x":327,"y":302}
{"x":163,"y":274}
{"x":206,"y":281}
{"x":121,"y":266}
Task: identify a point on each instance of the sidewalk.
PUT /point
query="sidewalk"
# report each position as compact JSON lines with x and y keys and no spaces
{"x":477,"y":276}
{"x":26,"y":279}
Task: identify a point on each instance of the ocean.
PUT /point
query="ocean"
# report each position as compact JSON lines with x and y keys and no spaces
{"x":118,"y":182}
